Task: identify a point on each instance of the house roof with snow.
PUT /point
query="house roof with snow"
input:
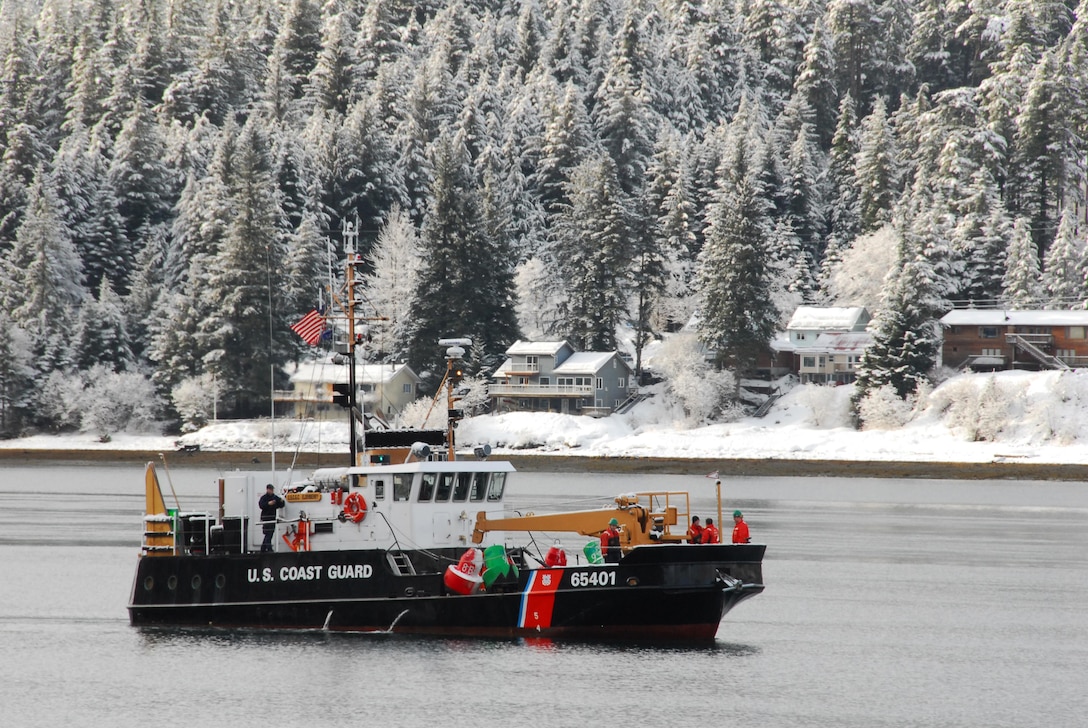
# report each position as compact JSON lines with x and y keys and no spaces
{"x":843,"y":342}
{"x":537,"y":348}
{"x":1001,"y":317}
{"x":829,"y":318}
{"x":586,"y":362}
{"x":325,"y":371}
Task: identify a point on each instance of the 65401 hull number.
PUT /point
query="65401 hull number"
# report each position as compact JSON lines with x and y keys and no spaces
{"x":597,"y":577}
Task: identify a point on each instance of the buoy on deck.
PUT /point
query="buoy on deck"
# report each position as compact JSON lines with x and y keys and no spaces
{"x":460,"y":582}
{"x":556,"y":556}
{"x":593,"y":552}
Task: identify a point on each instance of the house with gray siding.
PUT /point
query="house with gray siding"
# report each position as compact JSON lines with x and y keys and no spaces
{"x":550,"y":376}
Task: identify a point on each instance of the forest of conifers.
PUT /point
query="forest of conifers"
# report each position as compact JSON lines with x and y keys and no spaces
{"x":176,"y":175}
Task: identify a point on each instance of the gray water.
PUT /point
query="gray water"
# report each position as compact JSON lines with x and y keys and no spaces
{"x":895,"y":603}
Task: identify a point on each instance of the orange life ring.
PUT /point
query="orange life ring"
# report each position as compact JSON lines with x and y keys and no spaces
{"x":355,"y":507}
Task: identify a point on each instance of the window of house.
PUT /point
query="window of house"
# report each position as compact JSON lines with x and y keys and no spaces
{"x":600,"y":383}
{"x":987,"y":332}
{"x":621,"y":382}
{"x":545,"y":381}
{"x":1077,"y":332}
{"x":406,"y":388}
{"x":808,"y":362}
{"x":402,"y":487}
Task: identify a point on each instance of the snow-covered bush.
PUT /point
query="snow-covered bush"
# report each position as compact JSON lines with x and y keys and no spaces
{"x":60,"y":401}
{"x":194,"y":400}
{"x":422,"y":415}
{"x":882,"y":409}
{"x":977,"y":407}
{"x":1060,"y":416}
{"x":830,"y":406}
{"x":699,"y":390}
{"x":117,"y":401}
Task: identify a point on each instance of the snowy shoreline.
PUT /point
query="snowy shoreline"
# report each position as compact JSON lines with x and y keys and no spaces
{"x":1012,"y":425}
{"x":1001,"y":469}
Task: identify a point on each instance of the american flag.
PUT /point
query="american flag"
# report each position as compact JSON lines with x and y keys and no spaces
{"x":310,"y":327}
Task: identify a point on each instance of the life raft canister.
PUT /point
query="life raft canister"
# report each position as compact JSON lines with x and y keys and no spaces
{"x":355,"y":507}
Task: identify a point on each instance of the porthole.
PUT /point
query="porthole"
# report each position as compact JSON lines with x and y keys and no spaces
{"x":149,"y":583}
{"x":172,"y":583}
{"x":632,"y":581}
{"x":220,"y":581}
{"x":196,"y":582}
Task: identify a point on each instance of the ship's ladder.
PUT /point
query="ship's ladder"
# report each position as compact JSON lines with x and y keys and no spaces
{"x":402,"y":565}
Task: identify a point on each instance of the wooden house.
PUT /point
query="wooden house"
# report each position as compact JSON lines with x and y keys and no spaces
{"x":995,"y":339}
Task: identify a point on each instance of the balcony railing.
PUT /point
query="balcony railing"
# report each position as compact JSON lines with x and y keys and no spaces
{"x":539,"y":390}
{"x":522,"y":367}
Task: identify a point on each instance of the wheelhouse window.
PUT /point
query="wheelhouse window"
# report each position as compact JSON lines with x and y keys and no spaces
{"x":402,"y":486}
{"x":495,"y":487}
{"x":479,"y":487}
{"x":464,"y":483}
{"x":445,"y":486}
{"x":379,"y":489}
{"x":426,"y":486}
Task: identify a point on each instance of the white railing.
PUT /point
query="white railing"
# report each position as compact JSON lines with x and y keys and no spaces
{"x":539,"y":390}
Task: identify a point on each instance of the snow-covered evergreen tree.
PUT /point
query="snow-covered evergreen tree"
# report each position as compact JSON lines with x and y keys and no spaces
{"x":876,"y":169}
{"x":465,"y":283}
{"x":590,"y":254}
{"x":1064,"y":267}
{"x":101,"y":332}
{"x":1022,"y":285}
{"x":737,"y":315}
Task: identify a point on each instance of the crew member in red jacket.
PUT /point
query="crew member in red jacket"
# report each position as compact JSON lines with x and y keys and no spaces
{"x":710,"y":533}
{"x":610,"y":542}
{"x":695,"y":533}
{"x":740,"y":529}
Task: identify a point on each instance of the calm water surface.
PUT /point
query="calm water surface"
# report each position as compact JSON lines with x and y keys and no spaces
{"x":894,"y":603}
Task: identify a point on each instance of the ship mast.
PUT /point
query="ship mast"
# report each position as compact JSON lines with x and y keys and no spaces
{"x":455,"y":370}
{"x":357,"y":425}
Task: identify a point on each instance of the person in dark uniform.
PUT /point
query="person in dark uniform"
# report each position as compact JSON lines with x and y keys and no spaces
{"x":269,"y":504}
{"x":610,"y":542}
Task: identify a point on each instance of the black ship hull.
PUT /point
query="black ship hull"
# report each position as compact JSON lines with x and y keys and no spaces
{"x":656,"y":592}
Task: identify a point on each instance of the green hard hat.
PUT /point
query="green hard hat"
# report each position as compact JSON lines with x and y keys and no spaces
{"x":613,"y":522}
{"x":737,"y":513}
